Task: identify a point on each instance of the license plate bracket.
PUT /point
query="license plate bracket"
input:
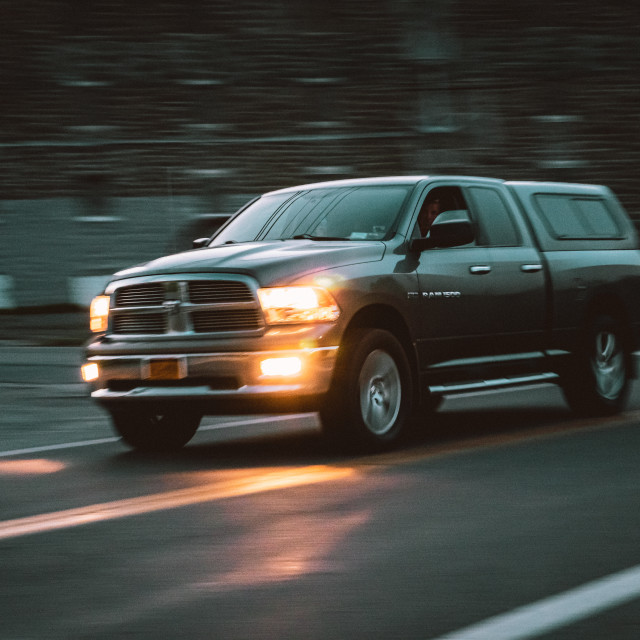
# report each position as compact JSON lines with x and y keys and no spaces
{"x":165,"y":369}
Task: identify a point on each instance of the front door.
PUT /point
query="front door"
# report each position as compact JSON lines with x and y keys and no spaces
{"x":453,"y":300}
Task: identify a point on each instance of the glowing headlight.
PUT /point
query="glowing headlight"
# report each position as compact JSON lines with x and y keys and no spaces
{"x":90,"y":372}
{"x":99,"y":313}
{"x":281,"y":366}
{"x":283,"y":305}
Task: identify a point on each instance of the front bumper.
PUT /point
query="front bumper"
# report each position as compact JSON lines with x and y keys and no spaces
{"x":217,"y":382}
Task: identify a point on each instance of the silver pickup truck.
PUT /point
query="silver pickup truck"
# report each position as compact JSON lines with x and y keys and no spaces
{"x":368,"y":301}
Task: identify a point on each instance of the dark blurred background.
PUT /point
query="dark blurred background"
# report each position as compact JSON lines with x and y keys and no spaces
{"x":128,"y":127}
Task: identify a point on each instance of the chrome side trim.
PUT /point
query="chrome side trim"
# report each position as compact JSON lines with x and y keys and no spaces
{"x":488,"y":360}
{"x":486,"y":385}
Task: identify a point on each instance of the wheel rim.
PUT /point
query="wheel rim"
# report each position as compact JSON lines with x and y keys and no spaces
{"x":608,"y":365}
{"x":380,"y":392}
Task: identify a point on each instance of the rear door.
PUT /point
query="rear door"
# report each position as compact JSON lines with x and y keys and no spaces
{"x":516,"y":288}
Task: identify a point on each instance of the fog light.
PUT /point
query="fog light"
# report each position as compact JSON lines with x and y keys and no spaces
{"x":281,"y":366}
{"x":90,"y":372}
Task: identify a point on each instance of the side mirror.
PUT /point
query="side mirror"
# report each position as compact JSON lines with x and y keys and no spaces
{"x":200,"y":242}
{"x":446,"y":233}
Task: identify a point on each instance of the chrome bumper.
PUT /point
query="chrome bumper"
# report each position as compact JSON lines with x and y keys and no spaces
{"x":211,"y":376}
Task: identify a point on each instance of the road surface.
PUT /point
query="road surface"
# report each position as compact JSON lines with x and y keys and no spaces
{"x":510,"y":519}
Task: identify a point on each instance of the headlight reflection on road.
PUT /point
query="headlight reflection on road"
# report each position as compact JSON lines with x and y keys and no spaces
{"x":240,"y":486}
{"x":286,"y":549}
{"x":30,"y":467}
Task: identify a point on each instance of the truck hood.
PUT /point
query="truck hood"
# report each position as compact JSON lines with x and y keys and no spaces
{"x":270,"y":263}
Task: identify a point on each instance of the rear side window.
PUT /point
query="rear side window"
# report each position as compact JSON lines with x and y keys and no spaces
{"x":496,"y":226}
{"x":569,"y":217}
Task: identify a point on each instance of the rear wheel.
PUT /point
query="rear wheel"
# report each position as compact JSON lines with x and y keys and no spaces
{"x":369,"y":404}
{"x":598,"y":382}
{"x":151,"y":431}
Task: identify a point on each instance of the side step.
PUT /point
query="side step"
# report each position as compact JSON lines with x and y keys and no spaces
{"x":488,"y":385}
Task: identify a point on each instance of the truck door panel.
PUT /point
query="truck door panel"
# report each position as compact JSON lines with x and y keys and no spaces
{"x":452,"y":304}
{"x":516,"y":299}
{"x":516,"y":302}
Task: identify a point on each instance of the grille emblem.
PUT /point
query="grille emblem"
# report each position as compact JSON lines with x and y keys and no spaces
{"x":172,"y":306}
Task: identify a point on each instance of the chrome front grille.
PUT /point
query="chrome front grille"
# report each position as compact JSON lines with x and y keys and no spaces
{"x":225,"y":320}
{"x":186,"y":306}
{"x":212,"y":291}
{"x":140,"y":295}
{"x":140,"y":324}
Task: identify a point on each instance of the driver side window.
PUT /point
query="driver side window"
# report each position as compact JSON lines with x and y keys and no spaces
{"x":440,"y":203}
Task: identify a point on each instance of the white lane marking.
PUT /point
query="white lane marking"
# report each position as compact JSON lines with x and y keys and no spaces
{"x":54,"y":447}
{"x":556,"y":611}
{"x":241,"y":423}
{"x":91,"y":443}
{"x":239,"y":485}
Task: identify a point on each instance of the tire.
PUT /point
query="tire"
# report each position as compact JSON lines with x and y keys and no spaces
{"x":149,"y":431}
{"x":369,"y":404}
{"x":598,"y":382}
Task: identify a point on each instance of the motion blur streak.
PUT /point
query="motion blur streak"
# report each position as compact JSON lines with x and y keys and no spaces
{"x":252,"y":484}
{"x":30,"y":467}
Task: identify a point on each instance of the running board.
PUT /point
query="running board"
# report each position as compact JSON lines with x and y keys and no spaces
{"x":488,"y":385}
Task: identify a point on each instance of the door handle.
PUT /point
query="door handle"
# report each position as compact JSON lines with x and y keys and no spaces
{"x":531,"y":268}
{"x":480,"y":269}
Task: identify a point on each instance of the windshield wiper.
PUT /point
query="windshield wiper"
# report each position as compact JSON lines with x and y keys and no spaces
{"x":308,"y":236}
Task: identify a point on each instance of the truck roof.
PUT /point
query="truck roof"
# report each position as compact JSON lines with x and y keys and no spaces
{"x":530,"y":186}
{"x":411,"y":180}
{"x":386,"y":180}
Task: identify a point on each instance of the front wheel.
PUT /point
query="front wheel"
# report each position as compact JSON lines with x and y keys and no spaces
{"x":598,"y":382}
{"x":369,"y":403}
{"x":147,"y":430}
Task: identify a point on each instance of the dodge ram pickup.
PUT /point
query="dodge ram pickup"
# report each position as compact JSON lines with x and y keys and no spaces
{"x":368,"y":301}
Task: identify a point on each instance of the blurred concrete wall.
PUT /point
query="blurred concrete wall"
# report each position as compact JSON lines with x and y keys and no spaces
{"x":56,"y":252}
{"x":126,"y":125}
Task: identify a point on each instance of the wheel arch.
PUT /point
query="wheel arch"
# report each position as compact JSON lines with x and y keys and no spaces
{"x":381,"y":316}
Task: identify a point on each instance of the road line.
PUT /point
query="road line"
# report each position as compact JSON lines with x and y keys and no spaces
{"x":556,"y":611}
{"x":54,"y":447}
{"x":91,"y":443}
{"x":242,"y":486}
{"x":242,"y":423}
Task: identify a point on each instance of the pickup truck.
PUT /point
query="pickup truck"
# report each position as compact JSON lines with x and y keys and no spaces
{"x":334,"y":297}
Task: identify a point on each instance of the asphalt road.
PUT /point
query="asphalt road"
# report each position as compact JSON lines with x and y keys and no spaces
{"x":511,"y":519}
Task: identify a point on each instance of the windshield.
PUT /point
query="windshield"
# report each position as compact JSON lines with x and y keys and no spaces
{"x":335,"y":213}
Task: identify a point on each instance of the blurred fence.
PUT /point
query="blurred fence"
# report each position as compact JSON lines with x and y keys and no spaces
{"x":127,"y":126}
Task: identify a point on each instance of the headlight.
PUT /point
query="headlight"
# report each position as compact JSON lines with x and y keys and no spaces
{"x":90,"y":372}
{"x":282,"y":305}
{"x":99,"y":313}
